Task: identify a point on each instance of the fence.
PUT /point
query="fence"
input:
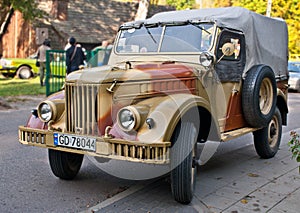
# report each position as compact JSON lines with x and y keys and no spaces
{"x":56,"y":66}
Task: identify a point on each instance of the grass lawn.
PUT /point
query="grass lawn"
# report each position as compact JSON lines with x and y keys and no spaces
{"x":15,"y":86}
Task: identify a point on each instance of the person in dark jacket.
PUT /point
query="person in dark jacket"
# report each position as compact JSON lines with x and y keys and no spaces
{"x":74,"y":56}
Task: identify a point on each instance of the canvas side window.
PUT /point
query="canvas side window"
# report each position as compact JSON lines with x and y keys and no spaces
{"x":234,"y":38}
{"x":230,"y":68}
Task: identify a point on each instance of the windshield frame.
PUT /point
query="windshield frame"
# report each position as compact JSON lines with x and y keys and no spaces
{"x":165,"y":26}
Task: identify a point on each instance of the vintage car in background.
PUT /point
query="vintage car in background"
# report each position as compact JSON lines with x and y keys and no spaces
{"x":173,"y":81}
{"x":294,"y":71}
{"x":23,"y":68}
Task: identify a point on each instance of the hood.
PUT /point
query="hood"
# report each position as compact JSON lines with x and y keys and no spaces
{"x":127,"y":73}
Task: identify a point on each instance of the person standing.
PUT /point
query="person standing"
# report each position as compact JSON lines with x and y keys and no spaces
{"x":74,"y":56}
{"x":41,"y":57}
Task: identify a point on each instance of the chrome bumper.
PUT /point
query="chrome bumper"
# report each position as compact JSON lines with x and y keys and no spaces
{"x":134,"y":151}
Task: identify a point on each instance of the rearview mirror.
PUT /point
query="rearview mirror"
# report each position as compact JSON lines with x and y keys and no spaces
{"x":227,"y":50}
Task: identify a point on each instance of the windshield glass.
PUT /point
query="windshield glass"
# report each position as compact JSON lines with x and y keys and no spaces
{"x":190,"y":37}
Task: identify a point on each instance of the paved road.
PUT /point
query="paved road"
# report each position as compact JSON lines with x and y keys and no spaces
{"x":235,"y":180}
{"x":27,"y":184}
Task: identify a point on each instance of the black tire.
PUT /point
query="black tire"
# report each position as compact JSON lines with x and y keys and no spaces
{"x":184,"y":170}
{"x":24,"y":72}
{"x":64,"y":165}
{"x":267,"y":139}
{"x":6,"y":75}
{"x":259,"y":96}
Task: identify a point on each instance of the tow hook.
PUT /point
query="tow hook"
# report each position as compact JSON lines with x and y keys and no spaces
{"x":106,"y":134}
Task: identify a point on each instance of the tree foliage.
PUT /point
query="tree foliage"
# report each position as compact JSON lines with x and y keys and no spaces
{"x":289,"y":10}
{"x":182,"y":4}
{"x":28,"y":8}
{"x":223,"y":3}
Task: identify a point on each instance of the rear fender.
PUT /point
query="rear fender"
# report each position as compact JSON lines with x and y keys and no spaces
{"x":282,"y":105}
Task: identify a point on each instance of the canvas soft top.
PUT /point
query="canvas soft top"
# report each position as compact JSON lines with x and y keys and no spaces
{"x":266,"y":38}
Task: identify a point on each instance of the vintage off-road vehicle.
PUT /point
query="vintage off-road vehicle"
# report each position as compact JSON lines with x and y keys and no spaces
{"x":174,"y":80}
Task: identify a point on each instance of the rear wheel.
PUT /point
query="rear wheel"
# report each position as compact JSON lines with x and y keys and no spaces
{"x":267,"y":139}
{"x":24,"y":72}
{"x":64,"y":165}
{"x":184,"y":168}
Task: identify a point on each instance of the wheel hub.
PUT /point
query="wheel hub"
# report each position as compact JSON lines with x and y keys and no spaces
{"x":273,"y":130}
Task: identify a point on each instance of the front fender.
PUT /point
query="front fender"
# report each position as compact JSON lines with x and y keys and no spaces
{"x":35,"y":122}
{"x":166,"y":112}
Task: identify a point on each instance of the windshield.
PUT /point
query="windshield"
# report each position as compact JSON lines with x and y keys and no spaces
{"x":191,"y":37}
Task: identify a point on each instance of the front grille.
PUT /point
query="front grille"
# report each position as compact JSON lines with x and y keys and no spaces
{"x":36,"y":137}
{"x":81,"y":108}
{"x":142,"y":151}
{"x":32,"y":137}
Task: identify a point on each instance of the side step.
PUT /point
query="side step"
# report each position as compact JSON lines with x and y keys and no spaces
{"x":236,"y":133}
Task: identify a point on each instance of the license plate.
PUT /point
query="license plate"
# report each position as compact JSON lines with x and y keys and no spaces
{"x":74,"y":141}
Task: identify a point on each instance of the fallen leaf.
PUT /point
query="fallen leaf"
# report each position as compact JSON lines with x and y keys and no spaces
{"x":244,"y":201}
{"x":253,"y":175}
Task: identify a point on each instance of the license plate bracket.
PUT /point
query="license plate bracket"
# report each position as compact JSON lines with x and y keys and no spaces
{"x":75,"y":141}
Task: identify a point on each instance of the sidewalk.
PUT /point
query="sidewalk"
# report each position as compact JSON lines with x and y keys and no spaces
{"x":234,"y":182}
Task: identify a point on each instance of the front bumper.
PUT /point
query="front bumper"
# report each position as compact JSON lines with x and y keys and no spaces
{"x":134,"y":151}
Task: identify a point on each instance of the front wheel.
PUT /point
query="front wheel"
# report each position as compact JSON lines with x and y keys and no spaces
{"x":267,"y":139}
{"x":64,"y":165}
{"x":184,"y":168}
{"x":24,"y":72}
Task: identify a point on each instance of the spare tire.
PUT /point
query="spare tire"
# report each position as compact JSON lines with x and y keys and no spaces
{"x":259,"y":95}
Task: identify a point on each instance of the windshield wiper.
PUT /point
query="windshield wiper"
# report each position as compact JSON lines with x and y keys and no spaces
{"x":148,"y":31}
{"x":201,"y":28}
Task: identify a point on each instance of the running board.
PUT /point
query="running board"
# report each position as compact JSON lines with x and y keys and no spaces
{"x":226,"y":136}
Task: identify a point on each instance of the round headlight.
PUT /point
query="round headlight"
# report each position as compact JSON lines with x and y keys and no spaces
{"x":45,"y":112}
{"x":128,"y":118}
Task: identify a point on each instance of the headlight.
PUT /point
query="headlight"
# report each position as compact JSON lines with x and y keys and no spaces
{"x":45,"y":111}
{"x":50,"y":110}
{"x":129,"y":118}
{"x":206,"y":59}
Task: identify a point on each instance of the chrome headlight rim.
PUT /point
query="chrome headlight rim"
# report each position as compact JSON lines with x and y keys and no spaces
{"x":131,"y":112}
{"x":44,"y":108}
{"x":206,"y":59}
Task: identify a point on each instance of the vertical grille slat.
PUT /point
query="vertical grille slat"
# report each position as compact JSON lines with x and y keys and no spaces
{"x":93,"y":110}
{"x":88,"y":107}
{"x":77,"y":123}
